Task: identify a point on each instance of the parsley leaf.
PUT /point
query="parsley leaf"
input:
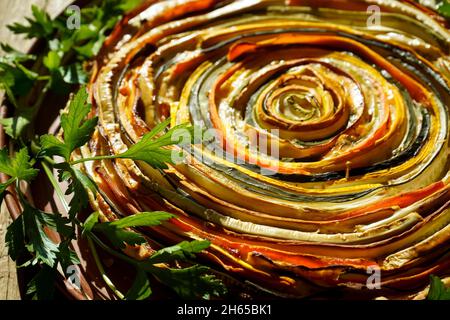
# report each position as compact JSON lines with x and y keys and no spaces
{"x":12,"y":55}
{"x":40,"y":26}
{"x":79,"y":183}
{"x":41,"y":286}
{"x":444,"y":9}
{"x":144,"y":219}
{"x":191,"y":283}
{"x":27,"y":233}
{"x":73,"y":73}
{"x":63,"y":56}
{"x":116,"y":233}
{"x":15,"y":78}
{"x":18,"y":167}
{"x":66,"y":256}
{"x":15,"y":238}
{"x":17,"y":125}
{"x":140,"y":289}
{"x":126,"y":5}
{"x":52,"y":60}
{"x":76,"y":131}
{"x":182,"y":251}
{"x":438,"y":291}
{"x":151,"y":150}
{"x":35,"y":239}
{"x":90,"y":222}
{"x":119,"y":237}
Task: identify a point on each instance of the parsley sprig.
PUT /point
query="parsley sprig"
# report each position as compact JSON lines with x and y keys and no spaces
{"x":18,"y":167}
{"x":27,"y":232}
{"x":76,"y":134}
{"x":61,"y":66}
{"x":189,"y":282}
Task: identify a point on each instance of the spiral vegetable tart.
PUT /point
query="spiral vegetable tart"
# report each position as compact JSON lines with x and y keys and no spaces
{"x":330,"y":156}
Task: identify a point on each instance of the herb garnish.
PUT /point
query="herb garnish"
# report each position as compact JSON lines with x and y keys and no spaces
{"x":438,"y":291}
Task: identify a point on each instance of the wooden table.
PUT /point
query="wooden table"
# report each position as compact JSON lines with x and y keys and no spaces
{"x":15,"y":11}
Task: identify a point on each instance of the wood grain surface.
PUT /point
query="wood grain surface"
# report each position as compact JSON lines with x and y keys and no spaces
{"x":16,"y":11}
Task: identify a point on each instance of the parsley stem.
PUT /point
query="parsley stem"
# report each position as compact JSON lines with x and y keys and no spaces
{"x":49,"y":160}
{"x":43,"y":78}
{"x":9,"y":182}
{"x":111,"y":251}
{"x":107,"y":157}
{"x":56,"y":186}
{"x":105,"y":278}
{"x":40,"y":99}
{"x":137,"y":264}
{"x":36,"y":149}
{"x":10,"y":96}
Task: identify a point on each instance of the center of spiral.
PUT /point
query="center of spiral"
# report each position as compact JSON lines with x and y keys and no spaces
{"x":299,"y":106}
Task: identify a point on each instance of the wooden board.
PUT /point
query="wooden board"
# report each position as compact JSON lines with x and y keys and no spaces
{"x":15,"y":11}
{"x":9,"y":289}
